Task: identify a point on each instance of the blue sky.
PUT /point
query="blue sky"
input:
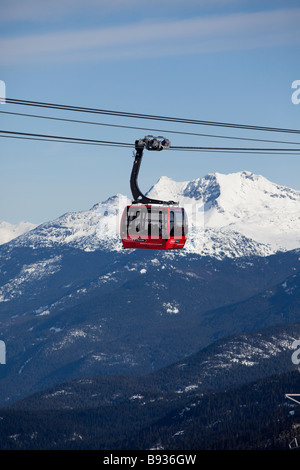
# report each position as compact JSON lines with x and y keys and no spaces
{"x":216,"y":60}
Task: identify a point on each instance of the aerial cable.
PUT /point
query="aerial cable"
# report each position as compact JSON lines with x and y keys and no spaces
{"x":67,"y":139}
{"x":234,"y":149}
{"x":126,"y":144}
{"x":60,"y":140}
{"x":161,"y":131}
{"x":148,"y":116}
{"x":108,"y":144}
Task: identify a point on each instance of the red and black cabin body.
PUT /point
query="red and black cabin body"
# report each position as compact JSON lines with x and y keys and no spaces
{"x":154,"y":227}
{"x":151,"y":223}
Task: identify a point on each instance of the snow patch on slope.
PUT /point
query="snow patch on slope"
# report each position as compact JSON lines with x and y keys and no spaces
{"x":243,"y":352}
{"x":28,"y":275}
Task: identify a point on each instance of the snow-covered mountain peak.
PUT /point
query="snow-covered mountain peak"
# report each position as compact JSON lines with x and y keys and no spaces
{"x":243,"y":213}
{"x":244,"y":184}
{"x":167,"y":189}
{"x":10,"y":231}
{"x":214,"y":185}
{"x":204,"y":189}
{"x":96,"y":228}
{"x":228,"y":192}
{"x":257,"y":208}
{"x":111,"y":205}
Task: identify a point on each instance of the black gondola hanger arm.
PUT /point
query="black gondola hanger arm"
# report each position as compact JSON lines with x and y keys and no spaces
{"x":149,"y":143}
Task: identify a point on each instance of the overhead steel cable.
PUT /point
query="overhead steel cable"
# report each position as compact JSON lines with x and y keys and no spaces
{"x":126,"y":146}
{"x":63,"y":138}
{"x":56,"y":138}
{"x":149,"y":116}
{"x":42,"y":139}
{"x":163,"y":131}
{"x":173,"y":147}
{"x":235,"y":149}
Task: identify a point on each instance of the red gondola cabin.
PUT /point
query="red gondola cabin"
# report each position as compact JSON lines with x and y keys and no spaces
{"x":153,"y":227}
{"x":151,"y":223}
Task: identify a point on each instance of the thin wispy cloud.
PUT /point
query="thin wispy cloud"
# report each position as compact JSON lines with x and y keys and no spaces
{"x":38,"y":10}
{"x":157,"y":39}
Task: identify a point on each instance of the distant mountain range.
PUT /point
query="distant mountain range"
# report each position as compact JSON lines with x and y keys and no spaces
{"x":224,"y":311}
{"x":227,"y":363}
{"x":214,"y":399}
{"x":67,"y":313}
{"x":239,"y":214}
